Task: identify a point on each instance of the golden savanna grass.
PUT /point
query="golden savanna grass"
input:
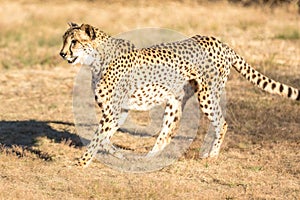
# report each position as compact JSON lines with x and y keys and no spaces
{"x":259,"y":158}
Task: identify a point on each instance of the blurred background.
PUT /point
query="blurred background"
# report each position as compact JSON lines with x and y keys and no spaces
{"x":31,"y":30}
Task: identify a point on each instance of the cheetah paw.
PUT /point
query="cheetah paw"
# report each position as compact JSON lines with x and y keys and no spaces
{"x":84,"y":161}
{"x":210,"y":155}
{"x":152,"y":154}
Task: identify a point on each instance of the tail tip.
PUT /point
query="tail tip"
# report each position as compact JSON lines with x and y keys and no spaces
{"x":298,"y":97}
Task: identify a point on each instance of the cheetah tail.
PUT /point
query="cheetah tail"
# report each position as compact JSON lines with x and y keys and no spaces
{"x":262,"y":81}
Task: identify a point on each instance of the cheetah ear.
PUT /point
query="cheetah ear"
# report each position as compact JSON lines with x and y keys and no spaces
{"x":72,"y":24}
{"x":89,"y":30}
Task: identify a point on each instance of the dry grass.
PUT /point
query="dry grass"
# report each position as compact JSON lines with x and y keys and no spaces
{"x":260,"y":156}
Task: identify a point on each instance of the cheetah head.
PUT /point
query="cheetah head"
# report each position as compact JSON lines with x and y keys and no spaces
{"x":78,"y":44}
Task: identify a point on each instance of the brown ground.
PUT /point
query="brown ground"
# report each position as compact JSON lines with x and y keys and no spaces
{"x":260,"y":156}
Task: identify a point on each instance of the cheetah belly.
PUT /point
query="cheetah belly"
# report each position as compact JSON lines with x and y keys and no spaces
{"x":140,"y":100}
{"x":146,"y":98}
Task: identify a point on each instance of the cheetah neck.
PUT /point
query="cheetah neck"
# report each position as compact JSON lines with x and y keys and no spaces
{"x":106,"y":51}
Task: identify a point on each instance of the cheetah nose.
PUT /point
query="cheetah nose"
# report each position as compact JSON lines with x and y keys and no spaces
{"x":62,"y":54}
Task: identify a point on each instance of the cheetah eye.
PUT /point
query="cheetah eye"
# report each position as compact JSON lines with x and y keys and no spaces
{"x":73,"y":42}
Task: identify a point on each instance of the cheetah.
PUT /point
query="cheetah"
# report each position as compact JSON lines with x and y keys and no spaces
{"x":124,"y":77}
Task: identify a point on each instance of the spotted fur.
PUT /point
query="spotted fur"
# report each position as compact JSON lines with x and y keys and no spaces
{"x":128,"y":78}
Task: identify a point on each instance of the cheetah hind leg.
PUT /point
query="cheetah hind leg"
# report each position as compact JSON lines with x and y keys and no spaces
{"x":212,"y":142}
{"x":171,"y":120}
{"x":217,"y":130}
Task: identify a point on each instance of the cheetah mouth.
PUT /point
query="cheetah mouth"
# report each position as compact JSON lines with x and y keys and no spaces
{"x":73,"y":60}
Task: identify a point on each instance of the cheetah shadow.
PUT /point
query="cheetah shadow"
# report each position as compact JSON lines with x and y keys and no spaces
{"x":24,"y":134}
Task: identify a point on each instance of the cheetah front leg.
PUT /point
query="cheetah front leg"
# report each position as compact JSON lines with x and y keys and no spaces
{"x":171,"y":120}
{"x":101,"y":141}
